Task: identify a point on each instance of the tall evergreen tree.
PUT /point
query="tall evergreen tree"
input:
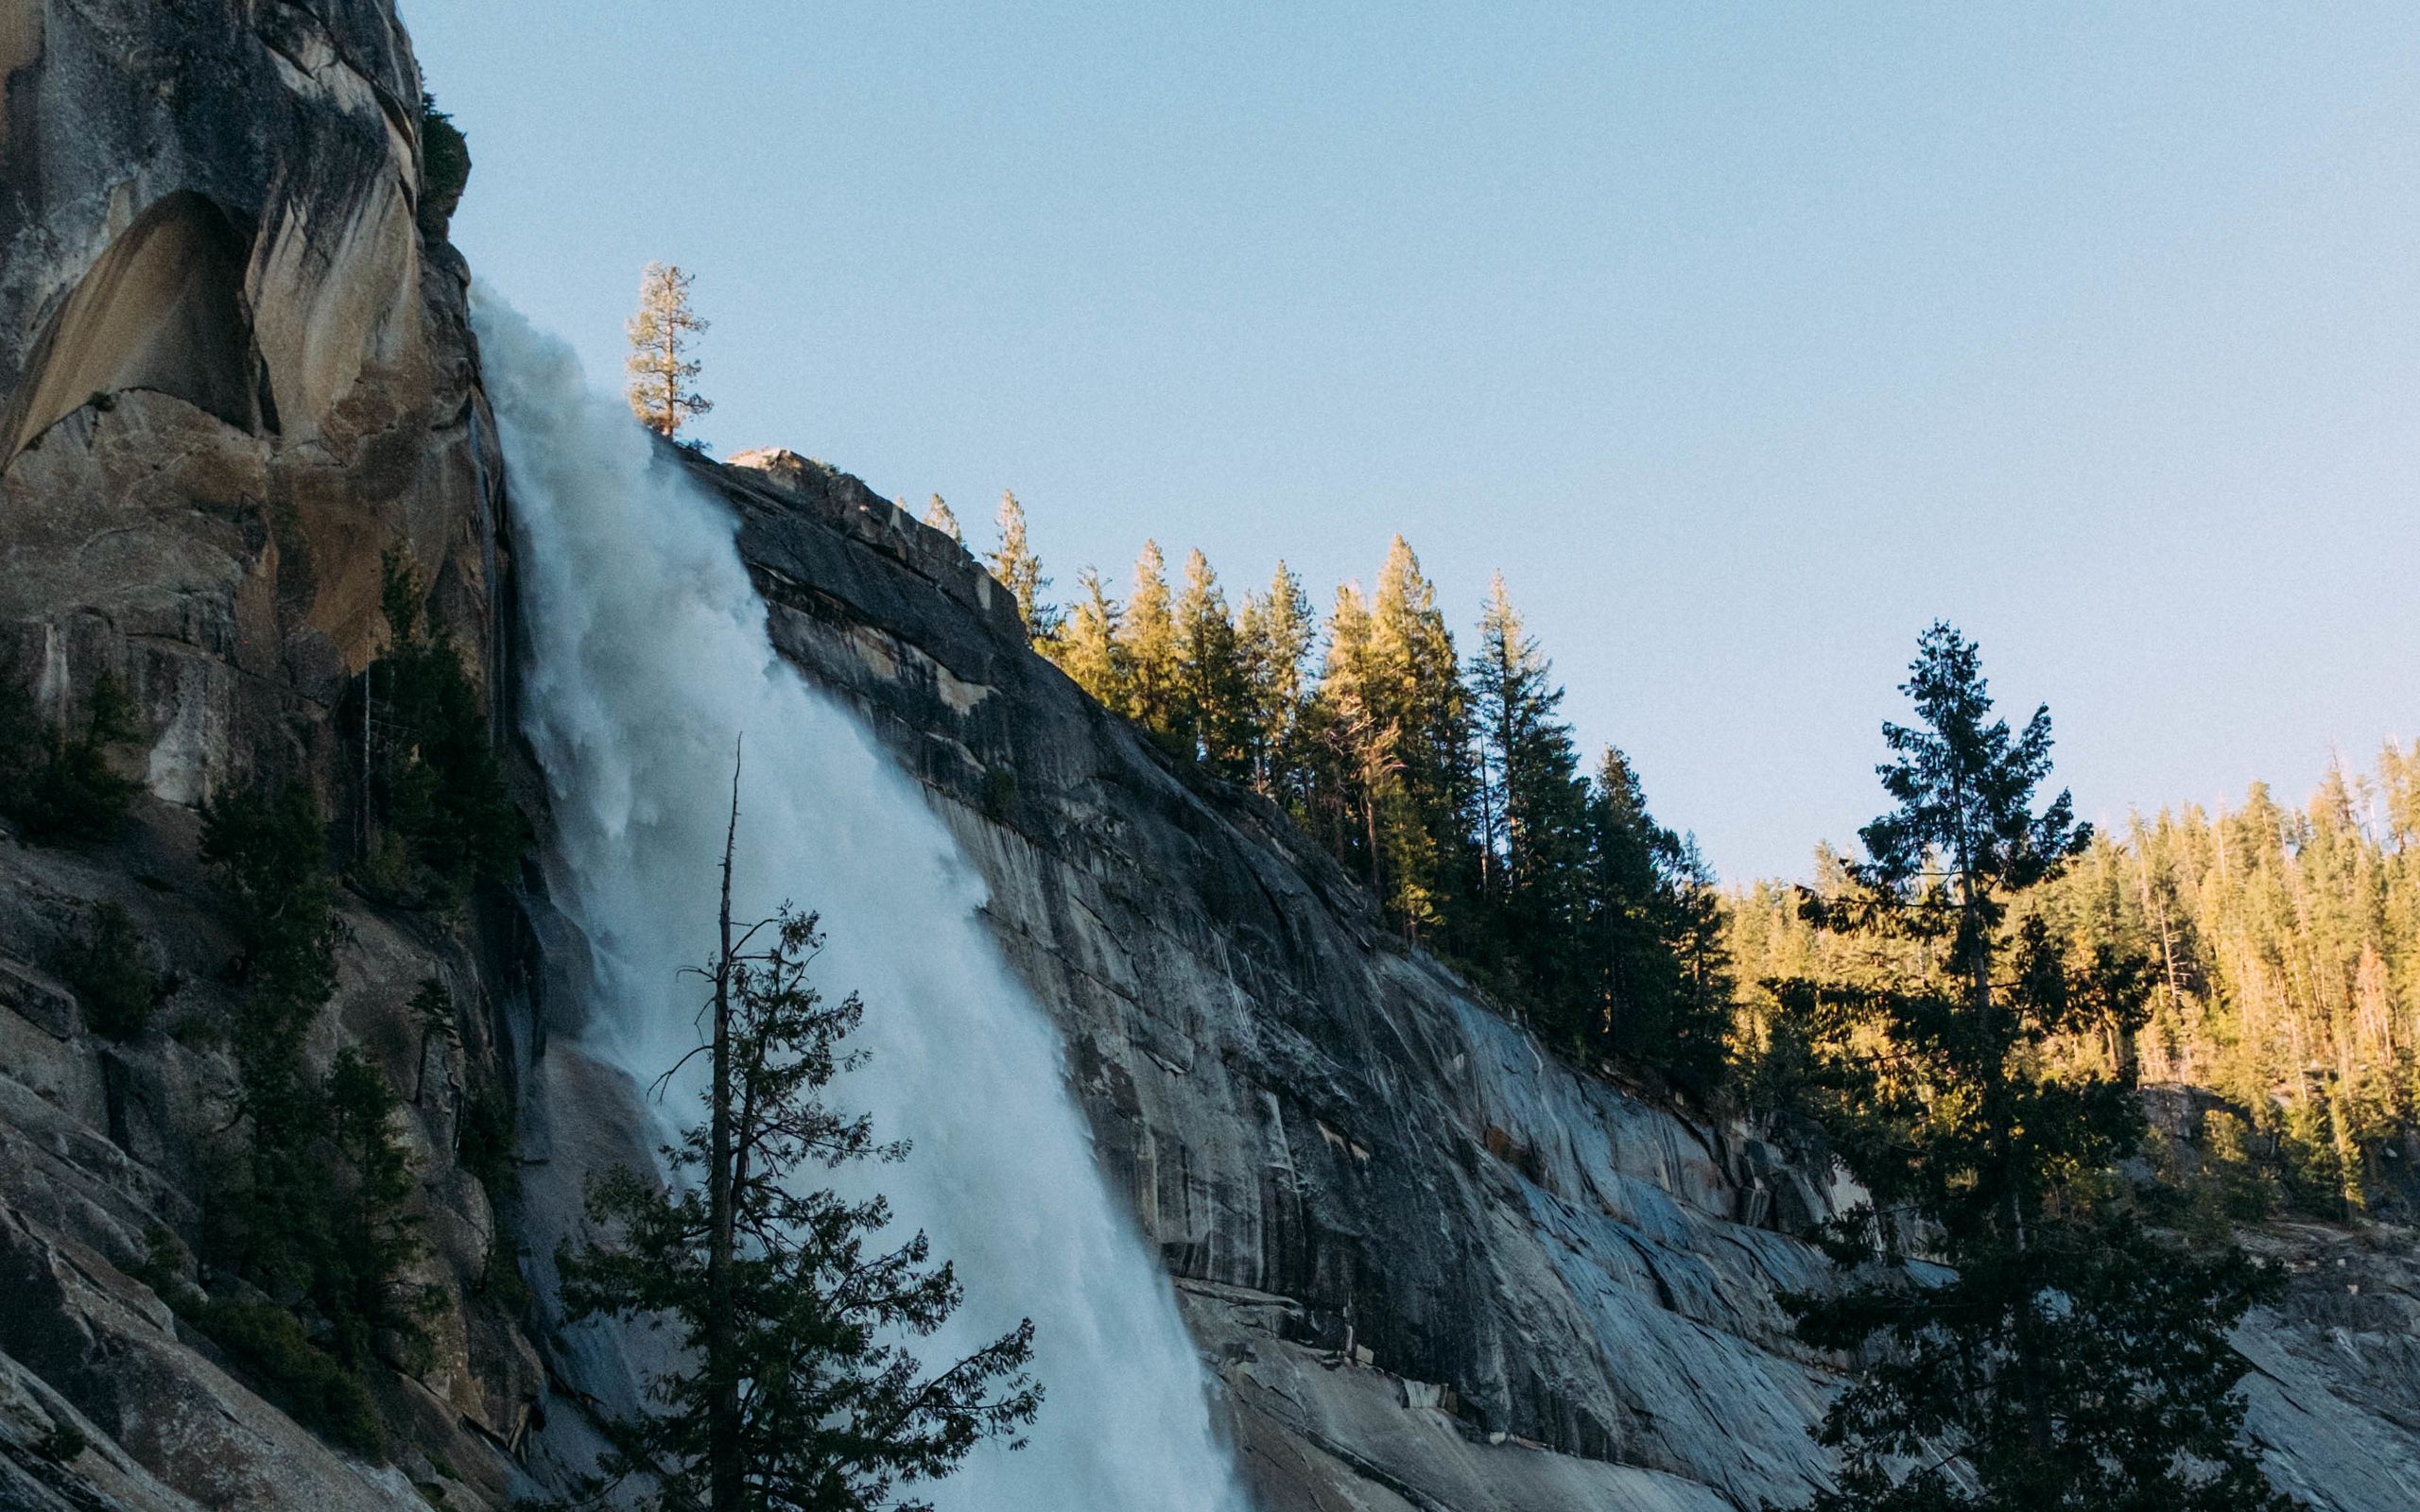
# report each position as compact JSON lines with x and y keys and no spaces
{"x":1355,"y":739}
{"x":1087,"y":646}
{"x":1531,"y":808}
{"x":2069,"y":1359}
{"x":662,"y":371}
{"x":1152,"y":650}
{"x":1215,"y":712}
{"x":1416,"y":680}
{"x":795,"y":1392}
{"x":941,"y":518}
{"x":1019,"y":571}
{"x":1633,"y":980}
{"x":1696,"y":1051}
{"x":1275,"y":635}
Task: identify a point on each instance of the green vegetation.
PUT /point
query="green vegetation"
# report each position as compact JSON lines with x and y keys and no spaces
{"x":445,"y":166}
{"x":1455,"y":791}
{"x":939,"y":515}
{"x":307,"y":1380}
{"x":61,"y":1443}
{"x":115,"y":985}
{"x":55,"y":776}
{"x":1018,"y":569}
{"x":445,"y":820}
{"x":310,"y":1211}
{"x":2064,"y":1354}
{"x":2284,"y":954}
{"x":794,"y":1390}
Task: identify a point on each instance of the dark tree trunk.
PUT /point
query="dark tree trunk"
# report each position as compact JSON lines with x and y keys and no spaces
{"x":726,"y":1476}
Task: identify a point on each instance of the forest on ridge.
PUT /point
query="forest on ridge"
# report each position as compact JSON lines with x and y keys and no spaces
{"x":2283,"y":955}
{"x":2282,"y":943}
{"x":1448,"y":781}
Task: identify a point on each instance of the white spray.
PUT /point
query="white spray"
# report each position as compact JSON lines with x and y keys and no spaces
{"x":645,"y":657}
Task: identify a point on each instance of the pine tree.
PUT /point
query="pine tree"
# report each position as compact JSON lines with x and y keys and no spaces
{"x":69,"y":791}
{"x":1214,"y":712}
{"x":1275,"y":635}
{"x":1696,"y":1053}
{"x":660,"y":366}
{"x":2070,"y":1359}
{"x":1152,"y":651}
{"x":938,"y":517}
{"x":1634,"y":983}
{"x":794,"y":1393}
{"x":446,"y":819}
{"x":1418,"y":687}
{"x":1019,"y":571}
{"x":1355,"y":743}
{"x":1087,"y":646}
{"x":1532,"y":810}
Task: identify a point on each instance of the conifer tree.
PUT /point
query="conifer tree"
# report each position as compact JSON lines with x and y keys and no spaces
{"x":1695,"y":1053}
{"x":1087,"y":647}
{"x":661,"y":370}
{"x":1150,"y":647}
{"x":1632,"y":981}
{"x":939,"y":515}
{"x":1275,"y":635}
{"x":68,"y":790}
{"x":1355,"y":739}
{"x":1215,"y":715}
{"x":1532,"y":808}
{"x":2067,"y":1358}
{"x":795,"y":1392}
{"x":1019,"y":571}
{"x":1419,"y":692}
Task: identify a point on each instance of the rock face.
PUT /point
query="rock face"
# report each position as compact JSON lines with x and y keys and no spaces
{"x":235,"y":371}
{"x":234,"y":375}
{"x":1432,"y":1267}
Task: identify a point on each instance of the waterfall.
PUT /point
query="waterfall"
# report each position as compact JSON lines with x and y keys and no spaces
{"x":644,"y":656}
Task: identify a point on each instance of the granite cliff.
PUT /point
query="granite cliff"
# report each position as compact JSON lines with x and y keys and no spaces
{"x":236,"y":375}
{"x":1430,"y":1265}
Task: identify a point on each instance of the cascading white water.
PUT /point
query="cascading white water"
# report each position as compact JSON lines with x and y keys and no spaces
{"x":645,"y":657}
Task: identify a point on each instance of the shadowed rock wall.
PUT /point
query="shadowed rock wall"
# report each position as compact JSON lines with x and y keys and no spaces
{"x":234,"y":373}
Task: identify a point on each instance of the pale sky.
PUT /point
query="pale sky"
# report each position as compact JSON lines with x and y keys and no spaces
{"x":1744,"y":340}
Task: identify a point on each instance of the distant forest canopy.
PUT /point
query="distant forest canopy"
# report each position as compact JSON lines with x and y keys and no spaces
{"x":2284,"y":945}
{"x":1451,"y":784}
{"x":2283,"y":953}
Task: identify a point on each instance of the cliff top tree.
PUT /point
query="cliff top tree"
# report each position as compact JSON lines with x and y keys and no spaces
{"x":1215,"y":715}
{"x":1149,"y":639}
{"x":660,"y":366}
{"x":797,"y":1395}
{"x":941,"y":518}
{"x":1086,"y":648}
{"x":2068,"y":1359}
{"x":1019,"y":569}
{"x":1274,"y":636}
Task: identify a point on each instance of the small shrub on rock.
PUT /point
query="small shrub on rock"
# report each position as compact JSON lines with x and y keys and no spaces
{"x":55,"y":780}
{"x":445,"y":166}
{"x":305,"y":1380}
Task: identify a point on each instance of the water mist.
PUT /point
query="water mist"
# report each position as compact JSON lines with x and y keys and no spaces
{"x":645,"y":657}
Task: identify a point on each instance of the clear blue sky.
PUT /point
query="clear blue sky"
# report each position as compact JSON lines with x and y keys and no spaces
{"x":1744,"y":340}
